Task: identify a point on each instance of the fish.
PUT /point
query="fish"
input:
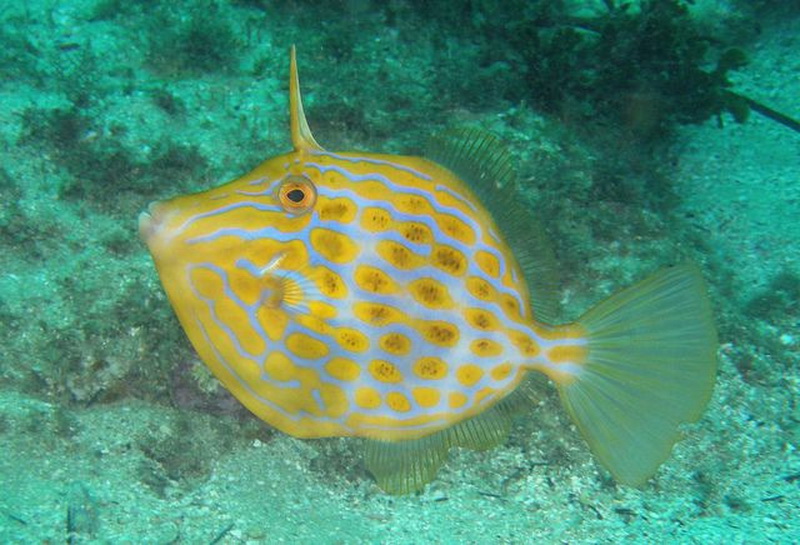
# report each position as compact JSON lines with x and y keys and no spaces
{"x":412,"y":303}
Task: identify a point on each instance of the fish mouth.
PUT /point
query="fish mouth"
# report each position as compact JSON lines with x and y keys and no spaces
{"x":149,"y":222}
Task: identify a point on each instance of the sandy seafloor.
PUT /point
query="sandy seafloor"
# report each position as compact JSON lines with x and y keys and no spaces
{"x":111,"y":433}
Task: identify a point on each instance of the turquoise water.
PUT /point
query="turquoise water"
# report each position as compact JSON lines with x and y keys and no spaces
{"x":113,"y":432}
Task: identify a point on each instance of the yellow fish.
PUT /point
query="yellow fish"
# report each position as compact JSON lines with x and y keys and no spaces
{"x":378,"y":296}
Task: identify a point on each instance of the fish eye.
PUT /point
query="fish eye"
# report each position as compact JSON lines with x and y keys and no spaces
{"x":297,"y":195}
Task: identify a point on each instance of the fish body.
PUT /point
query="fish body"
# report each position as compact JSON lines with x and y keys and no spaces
{"x":375,"y":296}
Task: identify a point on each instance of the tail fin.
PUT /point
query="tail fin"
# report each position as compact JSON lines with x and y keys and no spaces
{"x":651,"y":366}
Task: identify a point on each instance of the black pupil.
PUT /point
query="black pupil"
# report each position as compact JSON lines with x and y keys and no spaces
{"x":296,"y":195}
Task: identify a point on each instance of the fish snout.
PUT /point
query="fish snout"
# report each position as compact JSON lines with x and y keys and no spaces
{"x":150,"y":220}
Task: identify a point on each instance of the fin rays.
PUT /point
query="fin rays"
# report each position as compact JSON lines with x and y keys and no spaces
{"x":651,"y":367}
{"x":403,"y":467}
{"x":480,"y":159}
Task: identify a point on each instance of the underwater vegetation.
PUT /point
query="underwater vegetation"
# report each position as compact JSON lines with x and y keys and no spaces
{"x":202,"y":43}
{"x":646,"y":65}
{"x":644,"y":68}
{"x":641,"y":66}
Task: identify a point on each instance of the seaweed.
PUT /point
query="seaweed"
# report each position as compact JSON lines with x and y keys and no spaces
{"x":62,"y":127}
{"x":179,"y":455}
{"x":106,"y":10}
{"x":641,"y":67}
{"x":10,"y":193}
{"x":19,"y":57}
{"x":83,"y":519}
{"x":644,"y":69}
{"x":168,"y":102}
{"x":191,"y":39}
{"x":97,"y":165}
{"x":779,"y":300}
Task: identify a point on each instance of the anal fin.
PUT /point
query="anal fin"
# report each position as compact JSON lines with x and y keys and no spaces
{"x":403,"y":467}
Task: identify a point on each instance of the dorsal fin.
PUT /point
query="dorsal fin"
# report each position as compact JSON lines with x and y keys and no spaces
{"x":302,"y":139}
{"x":481,"y":160}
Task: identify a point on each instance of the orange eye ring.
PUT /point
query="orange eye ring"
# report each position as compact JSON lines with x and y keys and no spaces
{"x":297,"y":195}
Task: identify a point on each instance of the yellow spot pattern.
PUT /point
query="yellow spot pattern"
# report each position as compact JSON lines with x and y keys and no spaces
{"x":385,"y":371}
{"x":324,"y":311}
{"x":469,"y":374}
{"x":449,"y":260}
{"x":333,"y":246}
{"x":318,"y":377}
{"x":511,"y":306}
{"x":398,"y":402}
{"x":295,"y":399}
{"x":273,"y":320}
{"x":488,"y":263}
{"x":413,"y":204}
{"x":501,"y":372}
{"x":339,"y":209}
{"x":415,"y":232}
{"x":486,"y":348}
{"x":481,"y":319}
{"x":207,"y":283}
{"x":279,"y":367}
{"x":480,"y":288}
{"x":431,"y":293}
{"x":343,"y":369}
{"x":374,"y":280}
{"x":330,"y":284}
{"x":303,"y":346}
{"x":334,"y":399}
{"x":456,"y":228}
{"x":398,"y":255}
{"x":315,"y":323}
{"x":367,"y":398}
{"x":377,"y":314}
{"x":567,"y":354}
{"x":430,"y":368}
{"x":395,"y":343}
{"x":527,"y":346}
{"x":352,"y":340}
{"x":426,"y":397}
{"x":457,"y":400}
{"x":439,"y":333}
{"x":246,"y":286}
{"x":375,"y":220}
